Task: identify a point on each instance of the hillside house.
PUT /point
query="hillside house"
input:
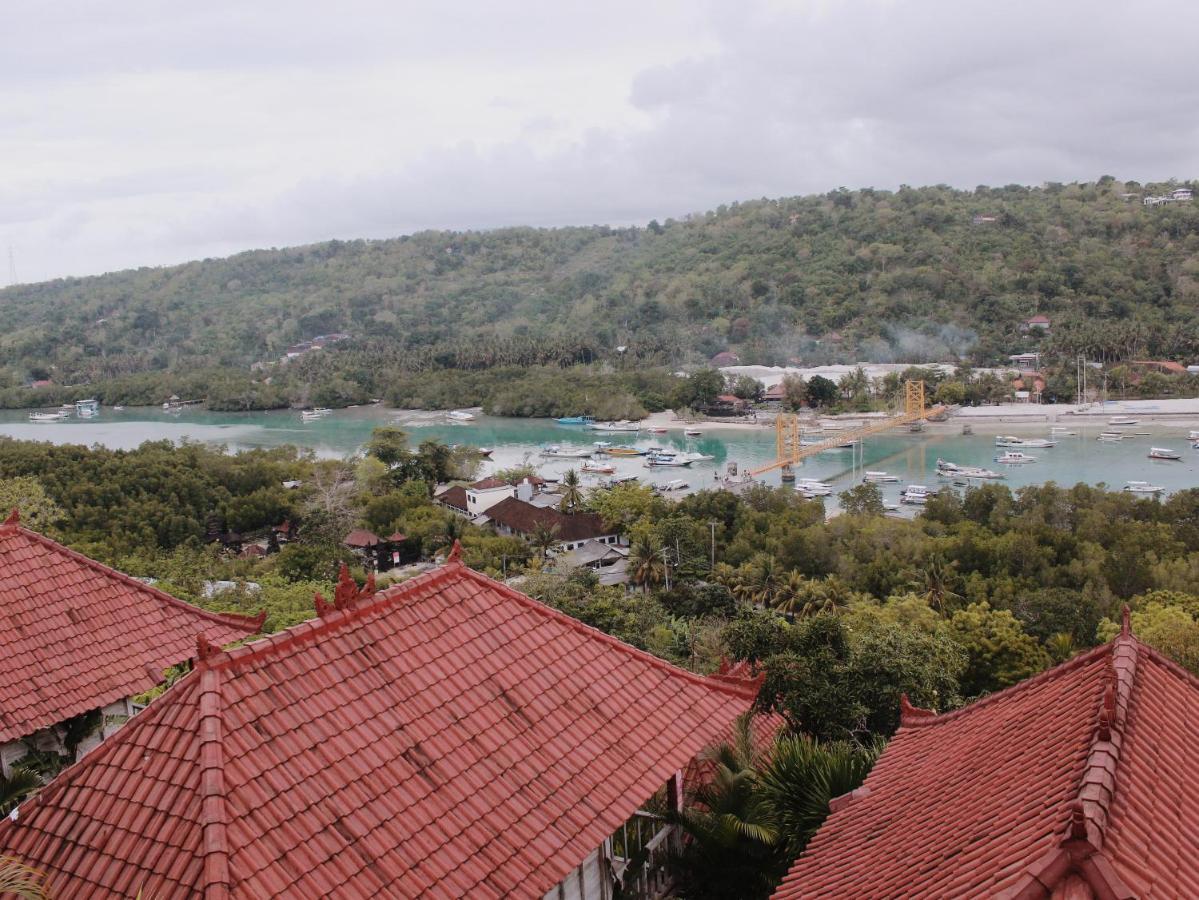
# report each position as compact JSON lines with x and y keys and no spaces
{"x":446,"y":737}
{"x":1036,"y":323}
{"x":521,"y":518}
{"x":81,"y":640}
{"x":776,"y":393}
{"x":727,"y":405}
{"x":1074,"y":784}
{"x":1181,"y":195}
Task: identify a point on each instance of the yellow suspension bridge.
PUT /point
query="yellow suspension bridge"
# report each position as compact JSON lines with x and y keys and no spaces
{"x":791,"y":450}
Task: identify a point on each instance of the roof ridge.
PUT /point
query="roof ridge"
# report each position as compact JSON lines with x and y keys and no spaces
{"x":332,"y":619}
{"x":234,"y":620}
{"x":213,"y":814}
{"x":1061,"y":668}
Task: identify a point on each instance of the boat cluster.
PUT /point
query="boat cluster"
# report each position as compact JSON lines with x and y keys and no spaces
{"x":84,"y":409}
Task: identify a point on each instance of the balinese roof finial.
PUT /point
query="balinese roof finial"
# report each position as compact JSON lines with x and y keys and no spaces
{"x":909,"y":713}
{"x":323,"y":607}
{"x":368,"y":589}
{"x":1125,"y":623}
{"x":1078,"y":821}
{"x":455,"y":557}
{"x":204,"y":647}
{"x":346,"y":591}
{"x":14,"y":517}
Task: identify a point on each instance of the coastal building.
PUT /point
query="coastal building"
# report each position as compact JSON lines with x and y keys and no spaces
{"x":80,"y":641}
{"x":476,"y":499}
{"x":1074,"y":784}
{"x":522,"y":518}
{"x":1181,"y":195}
{"x":446,"y":737}
{"x":453,"y":498}
{"x":776,"y":393}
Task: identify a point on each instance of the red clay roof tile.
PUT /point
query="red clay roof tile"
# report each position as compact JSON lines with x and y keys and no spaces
{"x":1071,"y":780}
{"x":394,"y":747}
{"x":79,"y":635}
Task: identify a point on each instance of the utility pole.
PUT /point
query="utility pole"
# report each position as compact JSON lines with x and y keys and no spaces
{"x":712,"y":525}
{"x":666,"y":565}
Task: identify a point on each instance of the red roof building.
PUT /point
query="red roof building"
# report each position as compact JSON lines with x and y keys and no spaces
{"x":447,"y":737}
{"x":454,"y":497}
{"x":1077,"y":783}
{"x":79,"y":636}
{"x":515,"y":516}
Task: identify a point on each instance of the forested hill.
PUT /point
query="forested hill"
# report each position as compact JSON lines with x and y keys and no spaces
{"x":905,"y":275}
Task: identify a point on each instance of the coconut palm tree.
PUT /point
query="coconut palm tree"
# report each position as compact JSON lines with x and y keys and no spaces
{"x":936,"y":581}
{"x":20,"y":880}
{"x":15,"y":788}
{"x":543,"y":537}
{"x":645,"y":564}
{"x":572,"y":494}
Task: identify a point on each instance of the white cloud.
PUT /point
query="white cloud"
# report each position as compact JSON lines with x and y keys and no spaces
{"x":142,"y":133}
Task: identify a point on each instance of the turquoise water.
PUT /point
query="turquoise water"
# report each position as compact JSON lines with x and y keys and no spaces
{"x":912,"y":457}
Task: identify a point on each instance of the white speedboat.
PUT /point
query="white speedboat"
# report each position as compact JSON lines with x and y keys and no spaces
{"x":698,"y":457}
{"x":460,"y":415}
{"x":556,"y":452}
{"x":322,"y":410}
{"x":880,"y":477}
{"x":1011,"y":440}
{"x":1014,"y":458}
{"x":1122,"y":420}
{"x":1193,"y":436}
{"x":621,"y":427}
{"x":308,"y":415}
{"x":1163,"y":453}
{"x":953,"y":470}
{"x":45,"y":418}
{"x":1111,"y":437}
{"x":1143,"y":487}
{"x":86,"y":409}
{"x":666,"y":460}
{"x":693,"y":432}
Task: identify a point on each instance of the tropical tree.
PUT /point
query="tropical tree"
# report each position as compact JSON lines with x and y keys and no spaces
{"x":646,"y":566}
{"x":572,"y":494}
{"x":15,"y":788}
{"x":543,"y":537}
{"x":20,"y":880}
{"x":936,"y":581}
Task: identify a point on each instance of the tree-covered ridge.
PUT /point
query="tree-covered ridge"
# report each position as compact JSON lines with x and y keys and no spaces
{"x":904,"y":274}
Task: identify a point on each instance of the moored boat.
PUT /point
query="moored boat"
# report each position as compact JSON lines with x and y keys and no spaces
{"x":460,"y":415}
{"x":44,"y":418}
{"x":1143,"y":487}
{"x":555,"y":452}
{"x":880,"y":477}
{"x":1164,"y":453}
{"x":574,"y":420}
{"x":693,"y":432}
{"x":1122,"y":420}
{"x":1011,"y":440}
{"x":622,"y":426}
{"x":1014,"y":458}
{"x":1111,"y":437}
{"x":594,"y":468}
{"x":622,"y":451}
{"x":666,"y":460}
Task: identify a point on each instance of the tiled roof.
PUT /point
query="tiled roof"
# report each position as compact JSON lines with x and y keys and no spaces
{"x":1080,"y":782}
{"x":79,"y":635}
{"x":489,"y":483}
{"x":523,"y":517}
{"x":454,"y":497}
{"x":360,"y":537}
{"x":448,"y":737}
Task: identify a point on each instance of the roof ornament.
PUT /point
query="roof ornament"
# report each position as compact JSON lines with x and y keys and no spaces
{"x":323,"y":606}
{"x":1125,"y":621}
{"x":346,"y":591}
{"x":204,"y":647}
{"x":909,"y":714}
{"x":1078,"y":822}
{"x":368,"y":589}
{"x":455,"y":557}
{"x":14,"y":517}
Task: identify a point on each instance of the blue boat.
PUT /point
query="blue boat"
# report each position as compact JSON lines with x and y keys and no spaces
{"x":575,"y":420}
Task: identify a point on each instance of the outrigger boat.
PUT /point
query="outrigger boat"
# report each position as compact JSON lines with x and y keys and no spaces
{"x":1111,"y":437}
{"x":1164,"y":453}
{"x":594,"y":468}
{"x":1011,"y":440}
{"x":622,"y":451}
{"x":555,"y":452}
{"x":622,"y":427}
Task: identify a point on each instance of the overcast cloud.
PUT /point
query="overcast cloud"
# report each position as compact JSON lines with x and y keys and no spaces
{"x":143,"y":133}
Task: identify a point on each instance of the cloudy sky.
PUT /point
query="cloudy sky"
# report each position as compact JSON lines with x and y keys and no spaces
{"x":143,"y":133}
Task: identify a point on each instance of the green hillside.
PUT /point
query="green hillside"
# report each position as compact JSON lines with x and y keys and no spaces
{"x":907,"y":275}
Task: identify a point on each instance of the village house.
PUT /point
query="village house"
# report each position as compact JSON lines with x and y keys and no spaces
{"x":727,"y":405}
{"x":1075,"y":784}
{"x":81,"y":640}
{"x":1036,"y":323}
{"x":522,"y":518}
{"x":1181,"y":195}
{"x":446,"y":737}
{"x":473,"y":500}
{"x":776,"y":393}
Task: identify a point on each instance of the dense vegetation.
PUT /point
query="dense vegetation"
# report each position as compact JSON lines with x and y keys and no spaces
{"x":842,"y":615}
{"x":905,"y":275}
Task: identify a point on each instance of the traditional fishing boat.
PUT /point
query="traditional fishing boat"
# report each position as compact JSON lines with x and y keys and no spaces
{"x":1143,"y":487}
{"x":574,"y":420}
{"x":1122,"y":420}
{"x":594,"y":468}
{"x":554,"y":451}
{"x":45,"y":418}
{"x":621,"y":427}
{"x":623,"y":451}
{"x":1164,"y":453}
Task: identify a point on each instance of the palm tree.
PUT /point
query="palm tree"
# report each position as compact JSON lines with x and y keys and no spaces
{"x":646,"y":564}
{"x":20,"y":880}
{"x":936,"y":583}
{"x":543,"y":537}
{"x":572,"y":495}
{"x":762,"y":582}
{"x":15,"y":788}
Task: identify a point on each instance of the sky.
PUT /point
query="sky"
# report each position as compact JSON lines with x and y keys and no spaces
{"x":150,"y":132}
